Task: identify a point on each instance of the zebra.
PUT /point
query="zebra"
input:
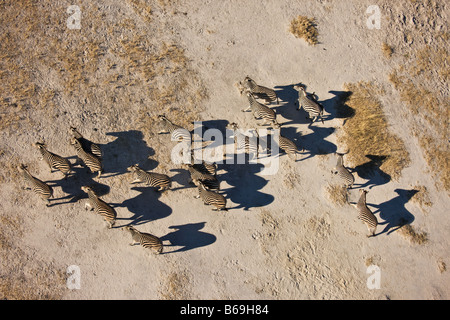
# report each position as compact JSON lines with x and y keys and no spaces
{"x":203,"y":166}
{"x":313,"y":109}
{"x":258,"y":91}
{"x":210,"y":181}
{"x":260,"y":110}
{"x":344,"y":174}
{"x":99,"y":206}
{"x":242,"y":141}
{"x":211,"y":198}
{"x":152,"y":179}
{"x":146,"y":240}
{"x":288,"y":146}
{"x":39,"y":187}
{"x":87,"y":145}
{"x":365,"y":214}
{"x":92,"y":162}
{"x":53,"y":160}
{"x":177,"y":132}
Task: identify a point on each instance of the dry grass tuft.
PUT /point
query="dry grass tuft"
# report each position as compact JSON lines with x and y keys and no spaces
{"x":176,"y":287}
{"x":408,"y":232}
{"x":367,"y":132}
{"x":305,"y":28}
{"x":338,"y":194}
{"x":442,"y":266}
{"x":387,"y":50}
{"x":422,"y":197}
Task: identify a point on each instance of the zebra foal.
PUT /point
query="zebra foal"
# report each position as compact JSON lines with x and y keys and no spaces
{"x":146,"y":240}
{"x":100,"y":207}
{"x":152,"y":179}
{"x":258,"y":91}
{"x":313,"y":109}
{"x":39,"y":187}
{"x":53,"y":160}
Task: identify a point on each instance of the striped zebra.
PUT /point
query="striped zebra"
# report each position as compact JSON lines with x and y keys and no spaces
{"x":203,"y":166}
{"x":343,"y":173}
{"x":92,"y":162}
{"x":152,"y":179}
{"x":313,"y":109}
{"x":262,"y":111}
{"x":365,"y":214}
{"x":177,"y":132}
{"x":99,"y":206}
{"x":244,"y":142}
{"x":211,"y":198}
{"x":87,"y":145}
{"x":53,"y":160}
{"x":288,"y":146}
{"x":210,"y":181}
{"x":146,"y":240}
{"x":258,"y":91}
{"x":39,"y":187}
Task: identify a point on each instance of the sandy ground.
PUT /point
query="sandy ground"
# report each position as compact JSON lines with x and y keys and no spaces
{"x":282,"y":237}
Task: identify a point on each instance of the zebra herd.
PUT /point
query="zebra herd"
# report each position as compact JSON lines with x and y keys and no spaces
{"x":202,"y":174}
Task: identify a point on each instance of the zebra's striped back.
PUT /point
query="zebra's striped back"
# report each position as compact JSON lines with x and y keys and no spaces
{"x":313,"y":109}
{"x":366,"y":215}
{"x":39,"y":187}
{"x":205,"y":167}
{"x":343,"y":173}
{"x":262,"y":111}
{"x":199,"y":175}
{"x":177,"y":132}
{"x":259,"y":91}
{"x":92,"y":162}
{"x":289,"y":147}
{"x":54,"y":160}
{"x":212,"y":198}
{"x":146,"y":240}
{"x":100,"y":207}
{"x":87,"y":145}
{"x":152,"y":179}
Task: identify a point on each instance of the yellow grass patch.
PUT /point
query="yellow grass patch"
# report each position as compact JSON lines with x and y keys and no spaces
{"x":305,"y":28}
{"x":367,"y":132}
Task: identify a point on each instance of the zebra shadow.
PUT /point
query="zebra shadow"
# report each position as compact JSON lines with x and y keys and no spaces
{"x":314,"y":143}
{"x":129,"y":148}
{"x":245,"y":185}
{"x":188,"y":237}
{"x":371,"y":172}
{"x":145,"y":207}
{"x":201,"y":127}
{"x":337,"y":107}
{"x":394,"y":212}
{"x":71,"y":186}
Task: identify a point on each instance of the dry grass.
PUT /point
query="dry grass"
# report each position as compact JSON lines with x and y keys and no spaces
{"x":422,"y":197}
{"x":408,"y":232}
{"x":442,"y":266}
{"x":367,"y":132}
{"x":338,"y":194}
{"x":387,"y":50}
{"x":420,"y":75}
{"x":176,"y":287}
{"x":114,"y":63}
{"x":305,"y":28}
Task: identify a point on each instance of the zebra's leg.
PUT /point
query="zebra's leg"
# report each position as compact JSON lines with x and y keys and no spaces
{"x":248,"y":109}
